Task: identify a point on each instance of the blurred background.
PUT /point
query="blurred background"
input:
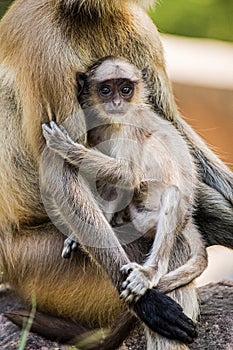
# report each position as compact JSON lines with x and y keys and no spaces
{"x":197,"y":36}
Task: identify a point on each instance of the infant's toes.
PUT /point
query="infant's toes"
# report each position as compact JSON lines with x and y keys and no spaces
{"x":140,"y":290}
{"x":128,"y":268}
{"x":128,"y":296}
{"x":74,"y":246}
{"x":132,"y":286}
{"x":124,"y":294}
{"x":132,"y":298}
{"x":134,"y":292}
{"x":66,"y":252}
{"x":125,"y":284}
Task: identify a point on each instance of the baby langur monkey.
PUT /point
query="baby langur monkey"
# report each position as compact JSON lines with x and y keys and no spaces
{"x":146,"y":154}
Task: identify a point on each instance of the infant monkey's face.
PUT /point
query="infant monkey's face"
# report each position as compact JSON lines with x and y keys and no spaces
{"x":115,"y":95}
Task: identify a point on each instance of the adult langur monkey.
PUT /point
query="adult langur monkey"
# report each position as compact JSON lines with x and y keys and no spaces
{"x":42,"y":44}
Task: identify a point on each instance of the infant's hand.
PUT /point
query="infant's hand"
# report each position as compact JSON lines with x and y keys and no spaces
{"x":56,"y":136}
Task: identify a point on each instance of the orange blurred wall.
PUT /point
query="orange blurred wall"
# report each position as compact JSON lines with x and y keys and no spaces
{"x":210,"y":112}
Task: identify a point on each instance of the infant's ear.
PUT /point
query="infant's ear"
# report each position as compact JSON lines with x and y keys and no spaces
{"x":81,"y":79}
{"x":144,"y":72}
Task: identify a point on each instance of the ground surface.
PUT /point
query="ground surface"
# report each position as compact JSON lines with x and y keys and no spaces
{"x":215,"y":327}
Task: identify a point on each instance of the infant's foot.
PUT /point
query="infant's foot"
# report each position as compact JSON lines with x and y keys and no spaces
{"x":138,"y":281}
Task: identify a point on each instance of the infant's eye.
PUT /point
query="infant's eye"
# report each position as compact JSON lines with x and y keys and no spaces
{"x":126,"y":90}
{"x":105,"y":90}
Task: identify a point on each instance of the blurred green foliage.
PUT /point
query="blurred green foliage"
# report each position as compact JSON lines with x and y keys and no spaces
{"x":4,"y":4}
{"x":196,"y":18}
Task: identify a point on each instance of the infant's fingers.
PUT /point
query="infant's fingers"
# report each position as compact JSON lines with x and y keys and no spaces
{"x":63,"y":130}
{"x":46,"y":129}
{"x":53,"y":125}
{"x":55,"y":128}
